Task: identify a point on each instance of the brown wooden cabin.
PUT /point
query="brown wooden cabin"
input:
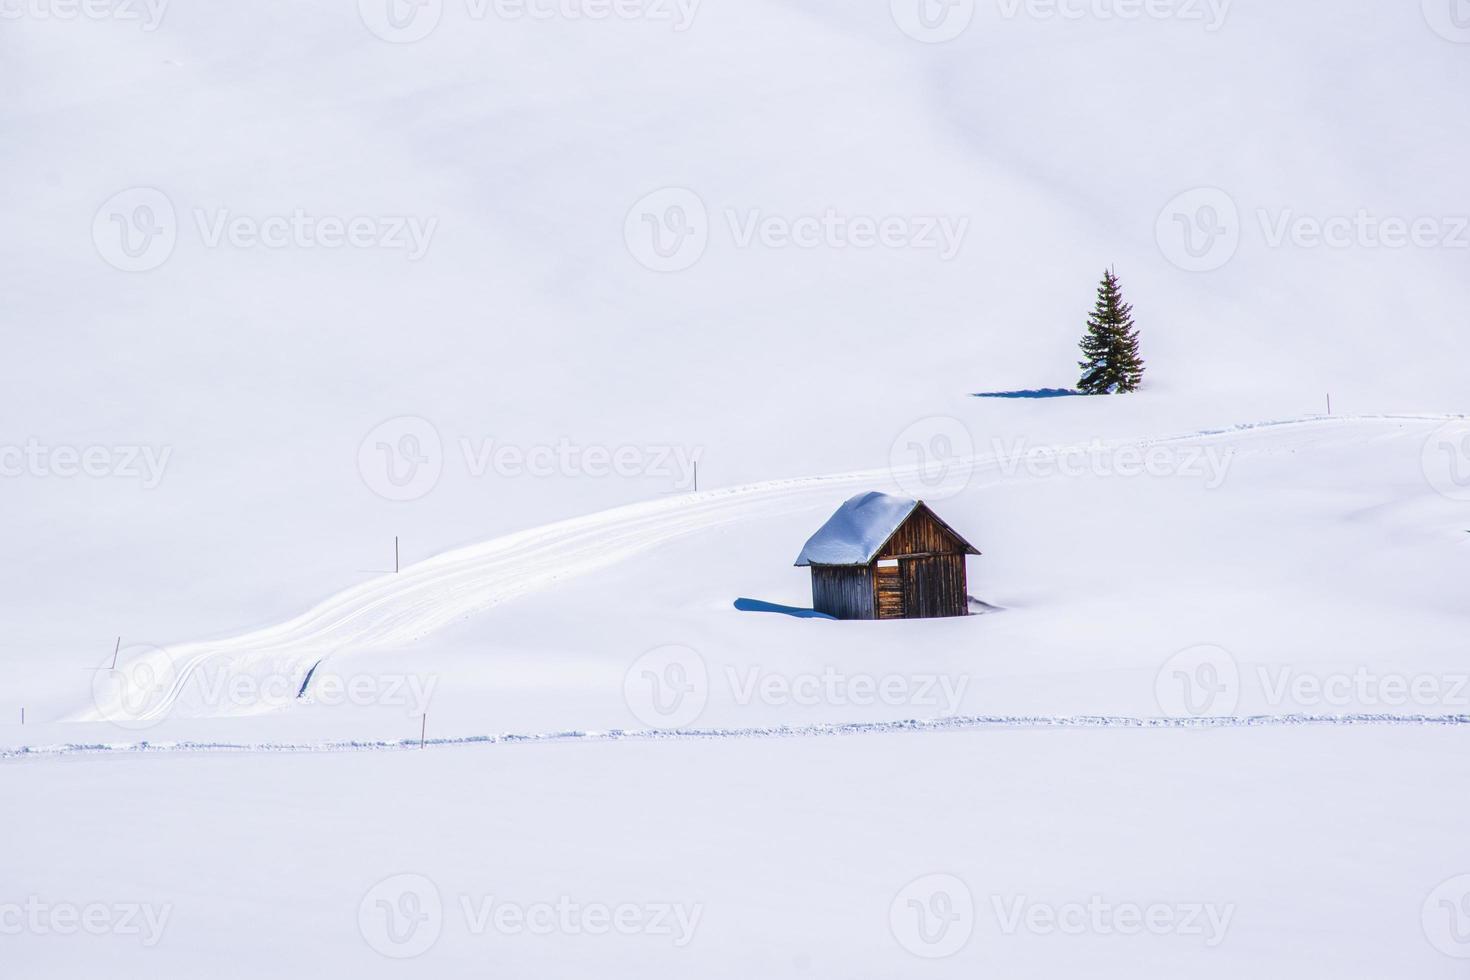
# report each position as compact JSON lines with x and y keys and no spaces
{"x":886,"y":557}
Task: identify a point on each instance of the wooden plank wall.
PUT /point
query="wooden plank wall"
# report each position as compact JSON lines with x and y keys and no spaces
{"x":934,"y":586}
{"x":844,"y":591}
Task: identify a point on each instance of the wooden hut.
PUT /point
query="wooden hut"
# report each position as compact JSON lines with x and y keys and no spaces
{"x":886,"y":557}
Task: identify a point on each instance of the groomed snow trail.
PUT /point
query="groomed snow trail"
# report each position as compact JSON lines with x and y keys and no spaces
{"x":394,"y":609}
{"x":947,"y":724}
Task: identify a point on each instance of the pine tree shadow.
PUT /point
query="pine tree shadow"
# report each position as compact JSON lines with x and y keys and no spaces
{"x":1030,"y":393}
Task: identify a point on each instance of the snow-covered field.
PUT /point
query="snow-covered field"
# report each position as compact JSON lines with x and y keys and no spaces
{"x":286,"y":282}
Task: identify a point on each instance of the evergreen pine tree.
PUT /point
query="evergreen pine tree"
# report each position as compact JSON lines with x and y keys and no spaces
{"x":1110,"y":347}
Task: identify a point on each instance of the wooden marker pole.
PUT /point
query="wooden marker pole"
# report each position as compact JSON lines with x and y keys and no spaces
{"x":395,"y":554}
{"x":1329,"y":403}
{"x":696,"y":476}
{"x":423,"y":730}
{"x":115,"y":648}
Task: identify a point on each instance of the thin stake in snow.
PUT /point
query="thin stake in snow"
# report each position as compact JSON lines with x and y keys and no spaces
{"x":395,"y":554}
{"x":696,"y":476}
{"x":1329,"y":403}
{"x":115,"y":648}
{"x":22,"y":716}
{"x":423,"y":729}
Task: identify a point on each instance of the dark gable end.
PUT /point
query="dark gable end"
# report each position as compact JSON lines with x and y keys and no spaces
{"x":923,"y":533}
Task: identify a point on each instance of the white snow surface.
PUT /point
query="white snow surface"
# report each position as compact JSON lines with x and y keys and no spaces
{"x":1223,"y":662}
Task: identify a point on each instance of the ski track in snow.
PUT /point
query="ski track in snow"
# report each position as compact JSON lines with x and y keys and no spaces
{"x":429,"y":595}
{"x":947,"y":724}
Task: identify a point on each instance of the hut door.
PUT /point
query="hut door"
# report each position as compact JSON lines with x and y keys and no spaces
{"x":888,"y":586}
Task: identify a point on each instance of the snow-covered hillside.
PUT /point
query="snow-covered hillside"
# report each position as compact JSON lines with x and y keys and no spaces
{"x":1322,"y":542}
{"x":600,"y":311}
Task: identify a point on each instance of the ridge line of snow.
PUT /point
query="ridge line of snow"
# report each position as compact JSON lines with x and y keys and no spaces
{"x":953,"y":723}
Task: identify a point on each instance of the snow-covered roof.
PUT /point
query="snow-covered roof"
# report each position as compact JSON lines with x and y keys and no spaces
{"x":853,"y":535}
